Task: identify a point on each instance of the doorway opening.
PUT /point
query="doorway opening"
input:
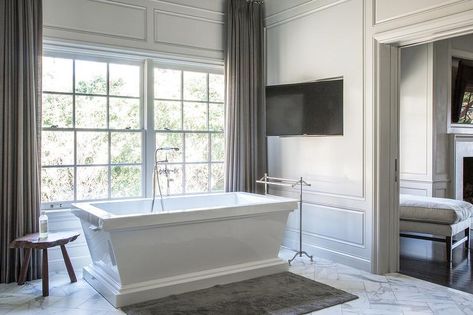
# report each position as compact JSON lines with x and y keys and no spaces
{"x":435,"y":162}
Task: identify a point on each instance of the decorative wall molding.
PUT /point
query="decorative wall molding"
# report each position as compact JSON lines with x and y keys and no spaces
{"x":136,"y":28}
{"x":144,"y":37}
{"x":118,"y":3}
{"x":190,"y":16}
{"x":300,"y":11}
{"x":279,"y":12}
{"x":158,"y":40}
{"x":310,"y":209}
{"x":179,"y":5}
{"x":291,"y":241}
{"x":418,"y":12}
{"x":440,"y":28}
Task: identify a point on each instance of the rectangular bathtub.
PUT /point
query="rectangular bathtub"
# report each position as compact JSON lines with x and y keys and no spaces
{"x":198,"y":241}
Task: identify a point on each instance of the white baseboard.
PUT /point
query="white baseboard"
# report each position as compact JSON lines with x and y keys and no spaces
{"x":337,"y":257}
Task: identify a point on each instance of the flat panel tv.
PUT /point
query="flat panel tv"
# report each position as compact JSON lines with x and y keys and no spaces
{"x":462,"y":91}
{"x":312,"y":108}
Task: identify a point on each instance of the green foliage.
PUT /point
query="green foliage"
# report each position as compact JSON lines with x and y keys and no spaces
{"x":91,"y":148}
{"x":126,"y":181}
{"x":466,"y":116}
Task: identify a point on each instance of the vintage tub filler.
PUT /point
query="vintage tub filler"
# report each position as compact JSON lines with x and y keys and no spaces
{"x":198,"y":241}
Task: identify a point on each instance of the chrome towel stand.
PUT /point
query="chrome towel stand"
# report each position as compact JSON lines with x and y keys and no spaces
{"x":276,"y":181}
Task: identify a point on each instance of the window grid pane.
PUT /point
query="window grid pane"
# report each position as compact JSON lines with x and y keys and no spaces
{"x":84,"y":167}
{"x":198,"y":124}
{"x":100,"y":107}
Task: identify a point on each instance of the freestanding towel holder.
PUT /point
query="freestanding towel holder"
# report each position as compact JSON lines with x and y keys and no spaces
{"x":276,"y":181}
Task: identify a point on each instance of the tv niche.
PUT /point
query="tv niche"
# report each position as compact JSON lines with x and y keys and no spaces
{"x":305,"y":109}
{"x":462,"y":91}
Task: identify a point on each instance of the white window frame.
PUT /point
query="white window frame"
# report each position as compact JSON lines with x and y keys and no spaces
{"x":146,"y":96}
{"x":183,"y":131}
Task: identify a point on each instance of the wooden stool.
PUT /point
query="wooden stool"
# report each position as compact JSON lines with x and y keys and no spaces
{"x":32,"y":241}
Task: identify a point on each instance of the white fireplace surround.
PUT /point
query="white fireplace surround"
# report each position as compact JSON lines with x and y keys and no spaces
{"x":462,"y":148}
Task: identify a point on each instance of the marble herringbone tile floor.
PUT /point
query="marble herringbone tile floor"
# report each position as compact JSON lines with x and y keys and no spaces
{"x":390,"y":294}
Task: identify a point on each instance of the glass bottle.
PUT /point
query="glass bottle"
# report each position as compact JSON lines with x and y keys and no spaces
{"x":43,"y":225}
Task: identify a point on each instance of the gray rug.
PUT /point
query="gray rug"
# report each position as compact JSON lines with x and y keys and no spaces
{"x":282,"y":293}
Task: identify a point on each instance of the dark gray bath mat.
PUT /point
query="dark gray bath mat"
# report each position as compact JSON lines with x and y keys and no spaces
{"x":282,"y":293}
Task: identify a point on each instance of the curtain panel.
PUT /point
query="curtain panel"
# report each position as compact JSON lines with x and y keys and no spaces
{"x":20,"y":123}
{"x":245,"y":111}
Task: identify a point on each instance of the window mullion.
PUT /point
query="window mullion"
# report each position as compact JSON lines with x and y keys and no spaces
{"x":109,"y":168}
{"x":209,"y":143}
{"x":75,"y":182}
{"x":184,"y":149}
{"x":150,"y":138}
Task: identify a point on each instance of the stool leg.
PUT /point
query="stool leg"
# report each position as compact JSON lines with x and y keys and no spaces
{"x":67,"y":261}
{"x":24,"y":267}
{"x":45,"y":273}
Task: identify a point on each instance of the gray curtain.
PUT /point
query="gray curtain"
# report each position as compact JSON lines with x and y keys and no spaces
{"x":20,"y":122}
{"x":245,"y":114}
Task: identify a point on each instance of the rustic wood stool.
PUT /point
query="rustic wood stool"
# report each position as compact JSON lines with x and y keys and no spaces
{"x":32,"y":241}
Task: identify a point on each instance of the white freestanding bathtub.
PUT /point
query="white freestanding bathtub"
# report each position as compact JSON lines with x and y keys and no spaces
{"x":198,"y":241}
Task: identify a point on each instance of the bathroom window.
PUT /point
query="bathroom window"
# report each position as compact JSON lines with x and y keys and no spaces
{"x":189,"y":115}
{"x":92,"y":138}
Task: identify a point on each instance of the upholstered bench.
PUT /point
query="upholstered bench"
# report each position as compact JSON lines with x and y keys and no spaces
{"x":436,"y":216}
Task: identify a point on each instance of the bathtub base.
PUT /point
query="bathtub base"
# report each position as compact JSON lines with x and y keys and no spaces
{"x":119,"y":295}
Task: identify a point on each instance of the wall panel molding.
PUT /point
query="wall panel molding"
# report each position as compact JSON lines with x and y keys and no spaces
{"x":291,"y":241}
{"x":179,"y":28}
{"x":88,"y":28}
{"x":185,"y":6}
{"x":418,"y":12}
{"x":300,"y":11}
{"x":279,"y":11}
{"x":163,"y":35}
{"x":343,"y":215}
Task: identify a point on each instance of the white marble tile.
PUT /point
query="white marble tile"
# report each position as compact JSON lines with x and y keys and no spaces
{"x":380,"y":295}
{"x":5,"y":309}
{"x":334,"y":310}
{"x":14,"y":299}
{"x":447,"y":308}
{"x":96,"y":302}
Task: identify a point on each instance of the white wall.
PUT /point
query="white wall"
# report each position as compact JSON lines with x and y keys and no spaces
{"x":312,"y":39}
{"x":416,"y":111}
{"x":308,"y":41}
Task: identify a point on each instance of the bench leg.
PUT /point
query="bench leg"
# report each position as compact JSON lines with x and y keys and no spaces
{"x":24,"y":267}
{"x":467,"y":234}
{"x":45,"y":273}
{"x":67,"y":261}
{"x":448,"y":242}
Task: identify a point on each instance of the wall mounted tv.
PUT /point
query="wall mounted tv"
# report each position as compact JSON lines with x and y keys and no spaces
{"x":462,"y":91}
{"x":312,"y":108}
